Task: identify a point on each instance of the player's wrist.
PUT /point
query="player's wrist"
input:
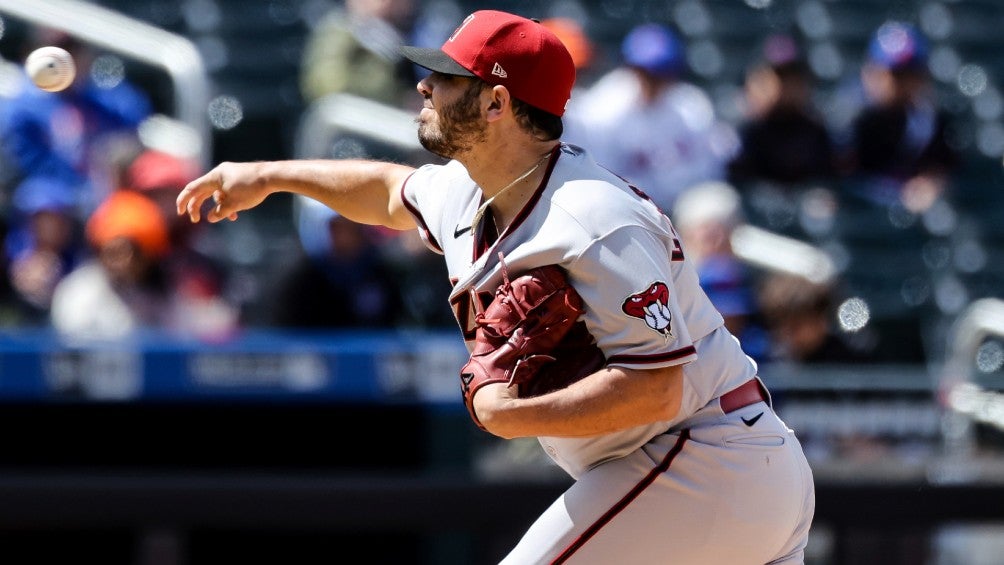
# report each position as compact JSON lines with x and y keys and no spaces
{"x":494,"y":405}
{"x":269,"y":177}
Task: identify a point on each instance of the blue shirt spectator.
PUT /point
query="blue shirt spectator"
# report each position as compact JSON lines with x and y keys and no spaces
{"x":901,"y":149}
{"x":63,"y":136}
{"x":43,"y":245}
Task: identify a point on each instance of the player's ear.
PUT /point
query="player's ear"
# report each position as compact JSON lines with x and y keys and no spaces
{"x":498,"y":101}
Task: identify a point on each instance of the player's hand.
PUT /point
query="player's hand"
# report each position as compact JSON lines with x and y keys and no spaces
{"x":233,"y":187}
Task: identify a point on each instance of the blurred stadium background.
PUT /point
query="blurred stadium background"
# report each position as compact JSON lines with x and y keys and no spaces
{"x":279,"y":448}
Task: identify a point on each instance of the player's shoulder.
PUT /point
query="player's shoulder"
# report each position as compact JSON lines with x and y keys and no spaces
{"x":441,"y":179}
{"x":595,"y":196}
{"x":578,"y":177}
{"x":451,"y":171}
{"x":437,"y":188}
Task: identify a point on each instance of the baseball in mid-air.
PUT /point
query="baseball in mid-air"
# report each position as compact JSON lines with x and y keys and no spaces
{"x":51,"y":68}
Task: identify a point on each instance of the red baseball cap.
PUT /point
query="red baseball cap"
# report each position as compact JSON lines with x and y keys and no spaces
{"x":501,"y":48}
{"x":154,"y":170}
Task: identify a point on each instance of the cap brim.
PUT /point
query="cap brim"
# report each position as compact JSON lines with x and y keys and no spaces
{"x":434,"y":60}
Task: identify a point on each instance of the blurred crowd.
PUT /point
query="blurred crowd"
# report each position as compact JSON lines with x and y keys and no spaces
{"x":93,"y":247}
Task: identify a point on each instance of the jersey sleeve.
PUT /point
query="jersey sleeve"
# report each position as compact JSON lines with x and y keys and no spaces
{"x":438,"y":196}
{"x":435,"y":196}
{"x":636,"y":299}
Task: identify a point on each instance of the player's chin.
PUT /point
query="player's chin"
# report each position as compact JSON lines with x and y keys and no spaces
{"x":425,"y":125}
{"x":426,"y":115}
{"x":429,"y":136}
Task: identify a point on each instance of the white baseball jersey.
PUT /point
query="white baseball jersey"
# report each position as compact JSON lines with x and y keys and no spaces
{"x":644,"y":305}
{"x":726,"y":481}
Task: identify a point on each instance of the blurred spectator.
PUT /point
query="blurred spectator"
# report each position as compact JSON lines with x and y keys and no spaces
{"x":42,"y":244}
{"x":194,"y":275}
{"x":784,"y":139}
{"x":342,"y":279}
{"x":10,"y":307}
{"x":423,"y":280}
{"x":645,"y":121}
{"x":68,"y":136}
{"x":900,"y":148}
{"x":800,"y":315}
{"x":161,"y":176}
{"x":705,"y":216}
{"x":354,"y":49}
{"x":123,"y":288}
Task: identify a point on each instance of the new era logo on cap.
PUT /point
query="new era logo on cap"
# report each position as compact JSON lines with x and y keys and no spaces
{"x":509,"y":50}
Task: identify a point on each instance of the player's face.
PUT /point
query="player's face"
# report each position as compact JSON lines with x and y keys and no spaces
{"x":451,"y":123}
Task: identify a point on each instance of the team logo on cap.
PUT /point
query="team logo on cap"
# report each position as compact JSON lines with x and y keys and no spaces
{"x":498,"y":71}
{"x":652,"y":306}
{"x":461,"y":27}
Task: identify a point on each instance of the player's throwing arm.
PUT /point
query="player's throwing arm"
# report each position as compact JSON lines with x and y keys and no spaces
{"x":363,"y":191}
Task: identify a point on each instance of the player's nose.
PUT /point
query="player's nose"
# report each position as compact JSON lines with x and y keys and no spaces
{"x":424,"y":88}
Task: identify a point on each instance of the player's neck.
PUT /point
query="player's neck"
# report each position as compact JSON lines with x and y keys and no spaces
{"x":508,"y":181}
{"x":500,"y":168}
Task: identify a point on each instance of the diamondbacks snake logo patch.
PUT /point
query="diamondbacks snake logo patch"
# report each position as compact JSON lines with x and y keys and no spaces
{"x":652,"y":306}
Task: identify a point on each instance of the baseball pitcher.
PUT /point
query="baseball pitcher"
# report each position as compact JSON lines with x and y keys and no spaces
{"x":586,"y":323}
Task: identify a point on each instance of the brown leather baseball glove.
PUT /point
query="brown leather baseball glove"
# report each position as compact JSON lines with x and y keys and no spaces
{"x":530,"y":336}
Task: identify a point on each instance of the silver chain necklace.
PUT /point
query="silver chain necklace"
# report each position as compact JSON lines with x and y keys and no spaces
{"x":484,"y":206}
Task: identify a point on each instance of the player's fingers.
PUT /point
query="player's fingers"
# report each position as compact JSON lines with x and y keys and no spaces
{"x":186,"y":199}
{"x":215,"y":214}
{"x":183,"y":199}
{"x":222,"y":208}
{"x":191,"y":198}
{"x":193,"y":208}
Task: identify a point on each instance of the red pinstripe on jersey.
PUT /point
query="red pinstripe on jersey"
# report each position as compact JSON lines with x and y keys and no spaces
{"x":418,"y":217}
{"x":621,"y":504}
{"x":655,"y":358}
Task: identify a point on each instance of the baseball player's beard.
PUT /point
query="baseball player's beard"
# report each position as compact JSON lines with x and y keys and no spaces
{"x":458,"y":128}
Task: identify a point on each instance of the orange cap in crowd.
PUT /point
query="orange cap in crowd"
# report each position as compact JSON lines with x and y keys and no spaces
{"x":575,"y":39}
{"x":132,"y":215}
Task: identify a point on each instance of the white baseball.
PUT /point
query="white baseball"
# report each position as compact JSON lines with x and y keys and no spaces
{"x":51,"y":68}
